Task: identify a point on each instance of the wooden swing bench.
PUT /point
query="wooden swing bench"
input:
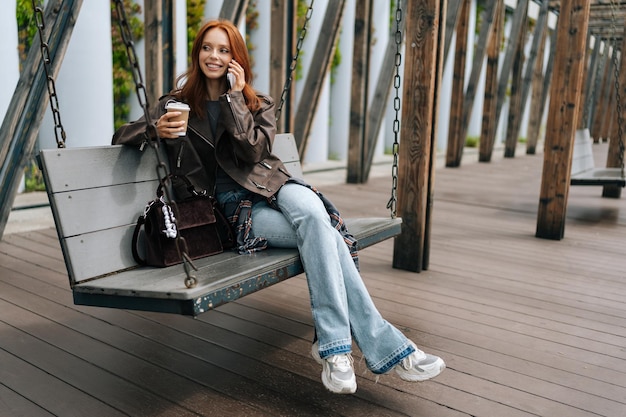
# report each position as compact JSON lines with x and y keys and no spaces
{"x":584,"y":171}
{"x":96,"y":195}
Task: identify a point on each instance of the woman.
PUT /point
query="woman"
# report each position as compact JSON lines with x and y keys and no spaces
{"x":227,"y":151}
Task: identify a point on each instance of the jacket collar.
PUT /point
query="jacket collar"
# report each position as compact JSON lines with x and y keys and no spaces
{"x":203,"y":128}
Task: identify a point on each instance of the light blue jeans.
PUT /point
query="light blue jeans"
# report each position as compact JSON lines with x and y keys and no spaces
{"x":341,"y":305}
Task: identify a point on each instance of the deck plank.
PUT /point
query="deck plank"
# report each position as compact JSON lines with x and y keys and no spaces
{"x":527,"y":326}
{"x":14,"y":404}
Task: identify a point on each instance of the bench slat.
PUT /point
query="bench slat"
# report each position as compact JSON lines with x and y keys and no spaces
{"x":110,"y":207}
{"x":74,"y":169}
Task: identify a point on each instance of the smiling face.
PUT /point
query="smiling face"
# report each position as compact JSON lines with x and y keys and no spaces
{"x":215,"y":54}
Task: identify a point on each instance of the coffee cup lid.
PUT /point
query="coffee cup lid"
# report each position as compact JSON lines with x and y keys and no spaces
{"x":176,"y":105}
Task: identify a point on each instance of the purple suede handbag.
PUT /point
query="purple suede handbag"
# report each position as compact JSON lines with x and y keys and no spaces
{"x":205,"y":230}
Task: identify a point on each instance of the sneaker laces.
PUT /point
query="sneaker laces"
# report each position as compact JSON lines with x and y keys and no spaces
{"x":407,"y":363}
{"x":342,"y":363}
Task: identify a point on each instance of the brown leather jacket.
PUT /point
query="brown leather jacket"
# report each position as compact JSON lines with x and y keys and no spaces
{"x":242,"y":146}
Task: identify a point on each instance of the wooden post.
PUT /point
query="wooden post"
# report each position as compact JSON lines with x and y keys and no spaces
{"x":430,"y":192}
{"x":282,"y":35}
{"x":28,"y":104}
{"x":516,"y":106}
{"x":422,"y":77}
{"x":359,"y":96}
{"x":600,"y":106}
{"x":488,"y":122}
{"x":609,"y":106}
{"x":565,"y":90}
{"x":456,"y":135}
{"x":169,"y":46}
{"x":479,"y":54}
{"x":153,"y":28}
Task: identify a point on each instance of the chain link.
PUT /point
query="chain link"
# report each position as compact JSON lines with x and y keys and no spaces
{"x":59,"y":131}
{"x":294,"y":60}
{"x":392,"y":205}
{"x":620,"y":119}
{"x":161,"y":167}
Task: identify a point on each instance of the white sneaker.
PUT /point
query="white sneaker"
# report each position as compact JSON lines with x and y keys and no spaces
{"x":419,"y":366}
{"x":337,"y":371}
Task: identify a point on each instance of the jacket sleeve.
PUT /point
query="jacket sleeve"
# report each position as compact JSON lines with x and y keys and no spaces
{"x":134,"y":133}
{"x":252,"y":132}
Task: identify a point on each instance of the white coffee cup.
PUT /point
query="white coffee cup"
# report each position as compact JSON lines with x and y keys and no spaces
{"x":184,"y":109}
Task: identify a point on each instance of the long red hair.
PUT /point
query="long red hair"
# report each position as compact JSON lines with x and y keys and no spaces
{"x":193,"y":88}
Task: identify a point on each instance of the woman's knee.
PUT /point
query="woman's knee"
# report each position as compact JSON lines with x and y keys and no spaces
{"x":302,"y":203}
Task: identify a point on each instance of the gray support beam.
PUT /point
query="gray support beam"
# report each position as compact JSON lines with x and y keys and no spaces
{"x":516,"y":108}
{"x":358,"y":98}
{"x":589,"y":82}
{"x":20,"y":127}
{"x":153,"y":30}
{"x":536,"y":106}
{"x":234,"y":10}
{"x":541,"y":26}
{"x":518,"y":18}
{"x":322,"y":55}
{"x":452,"y":18}
{"x":456,"y":135}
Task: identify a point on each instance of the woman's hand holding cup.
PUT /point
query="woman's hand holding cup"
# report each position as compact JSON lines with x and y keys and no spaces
{"x":173,"y":123}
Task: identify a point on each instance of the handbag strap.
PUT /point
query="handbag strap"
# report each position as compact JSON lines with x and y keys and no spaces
{"x":228,"y":236}
{"x":140,"y":222}
{"x":190,"y":187}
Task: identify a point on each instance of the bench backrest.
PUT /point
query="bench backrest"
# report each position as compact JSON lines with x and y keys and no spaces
{"x":96,"y":195}
{"x":582,"y":158}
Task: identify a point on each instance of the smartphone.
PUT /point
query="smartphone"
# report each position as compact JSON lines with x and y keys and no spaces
{"x":230,"y":78}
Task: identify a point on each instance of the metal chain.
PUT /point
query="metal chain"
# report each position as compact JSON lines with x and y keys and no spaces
{"x":52,"y":90}
{"x":393,"y":201}
{"x":294,"y":60}
{"x":161,"y":167}
{"x":620,"y":119}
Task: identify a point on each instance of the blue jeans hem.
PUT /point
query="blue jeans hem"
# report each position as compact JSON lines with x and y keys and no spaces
{"x":395,"y":358}
{"x":335,"y":349}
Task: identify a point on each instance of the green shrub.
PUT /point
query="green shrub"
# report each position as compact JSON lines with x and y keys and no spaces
{"x":123,"y":84}
{"x":472,"y":141}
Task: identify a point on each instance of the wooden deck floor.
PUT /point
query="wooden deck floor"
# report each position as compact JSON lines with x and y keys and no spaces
{"x":527,"y":327}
